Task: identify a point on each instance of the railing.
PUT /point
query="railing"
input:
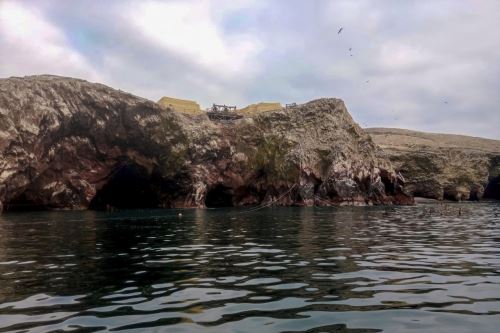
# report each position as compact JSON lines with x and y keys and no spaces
{"x":222,"y":108}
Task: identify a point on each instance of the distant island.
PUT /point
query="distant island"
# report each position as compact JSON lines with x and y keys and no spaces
{"x":66,"y":143}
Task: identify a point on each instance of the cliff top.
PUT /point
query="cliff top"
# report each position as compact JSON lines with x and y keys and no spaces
{"x":193,"y":107}
{"x":403,"y":139}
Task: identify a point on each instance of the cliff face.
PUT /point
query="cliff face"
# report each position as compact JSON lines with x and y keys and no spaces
{"x":312,"y":154}
{"x":441,"y":166}
{"x":70,"y":144}
{"x":62,"y":139}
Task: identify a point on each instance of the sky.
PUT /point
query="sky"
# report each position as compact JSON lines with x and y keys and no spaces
{"x":430,"y":65}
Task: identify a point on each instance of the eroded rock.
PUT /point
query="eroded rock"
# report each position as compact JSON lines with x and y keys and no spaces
{"x":70,"y":144}
{"x":443,"y":166}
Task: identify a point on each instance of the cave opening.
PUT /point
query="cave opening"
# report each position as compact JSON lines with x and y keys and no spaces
{"x":492,"y":190}
{"x":129,"y":187}
{"x":451,"y":196}
{"x":388,"y":182}
{"x":219,"y":196}
{"x":23,"y":203}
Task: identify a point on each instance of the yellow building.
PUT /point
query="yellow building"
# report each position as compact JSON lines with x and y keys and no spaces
{"x":192,"y":107}
{"x":260,"y":107}
{"x":180,"y":105}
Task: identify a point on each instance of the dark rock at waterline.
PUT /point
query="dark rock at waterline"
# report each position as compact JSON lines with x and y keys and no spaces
{"x":70,"y":144}
{"x":443,"y":166}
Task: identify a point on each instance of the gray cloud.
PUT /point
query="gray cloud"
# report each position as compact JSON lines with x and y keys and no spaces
{"x":431,"y":65}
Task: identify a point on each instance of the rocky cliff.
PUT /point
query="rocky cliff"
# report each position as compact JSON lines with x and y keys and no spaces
{"x":70,"y":144}
{"x":443,"y":166}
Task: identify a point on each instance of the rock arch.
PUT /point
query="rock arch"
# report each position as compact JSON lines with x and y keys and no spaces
{"x":129,"y":186}
{"x":219,"y":196}
{"x":492,"y":190}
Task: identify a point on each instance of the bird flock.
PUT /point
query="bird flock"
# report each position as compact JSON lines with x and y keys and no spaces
{"x":341,"y":28}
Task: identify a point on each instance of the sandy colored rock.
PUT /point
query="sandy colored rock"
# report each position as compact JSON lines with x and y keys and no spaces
{"x":454,"y":167}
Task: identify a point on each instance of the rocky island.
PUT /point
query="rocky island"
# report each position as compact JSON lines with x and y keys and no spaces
{"x":70,"y":144}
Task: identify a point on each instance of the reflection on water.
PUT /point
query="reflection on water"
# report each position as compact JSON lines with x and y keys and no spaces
{"x":390,"y":269}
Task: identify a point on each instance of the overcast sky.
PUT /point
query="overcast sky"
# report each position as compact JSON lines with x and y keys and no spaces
{"x":431,"y":65}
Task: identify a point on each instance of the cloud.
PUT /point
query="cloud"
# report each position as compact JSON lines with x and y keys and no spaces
{"x":189,"y":31}
{"x":32,"y":45}
{"x":430,"y":65}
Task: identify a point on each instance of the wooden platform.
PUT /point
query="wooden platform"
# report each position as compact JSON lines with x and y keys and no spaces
{"x":223,"y":116}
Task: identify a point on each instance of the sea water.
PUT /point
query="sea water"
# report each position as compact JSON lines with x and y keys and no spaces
{"x":424,"y":268}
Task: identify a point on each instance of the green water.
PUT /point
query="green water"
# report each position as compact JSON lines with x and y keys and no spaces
{"x":425,"y":268}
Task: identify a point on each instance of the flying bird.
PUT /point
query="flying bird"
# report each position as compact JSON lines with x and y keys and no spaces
{"x":350,"y":49}
{"x":340,"y":30}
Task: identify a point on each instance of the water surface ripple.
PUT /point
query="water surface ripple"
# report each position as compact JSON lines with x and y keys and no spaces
{"x":426,"y":268}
